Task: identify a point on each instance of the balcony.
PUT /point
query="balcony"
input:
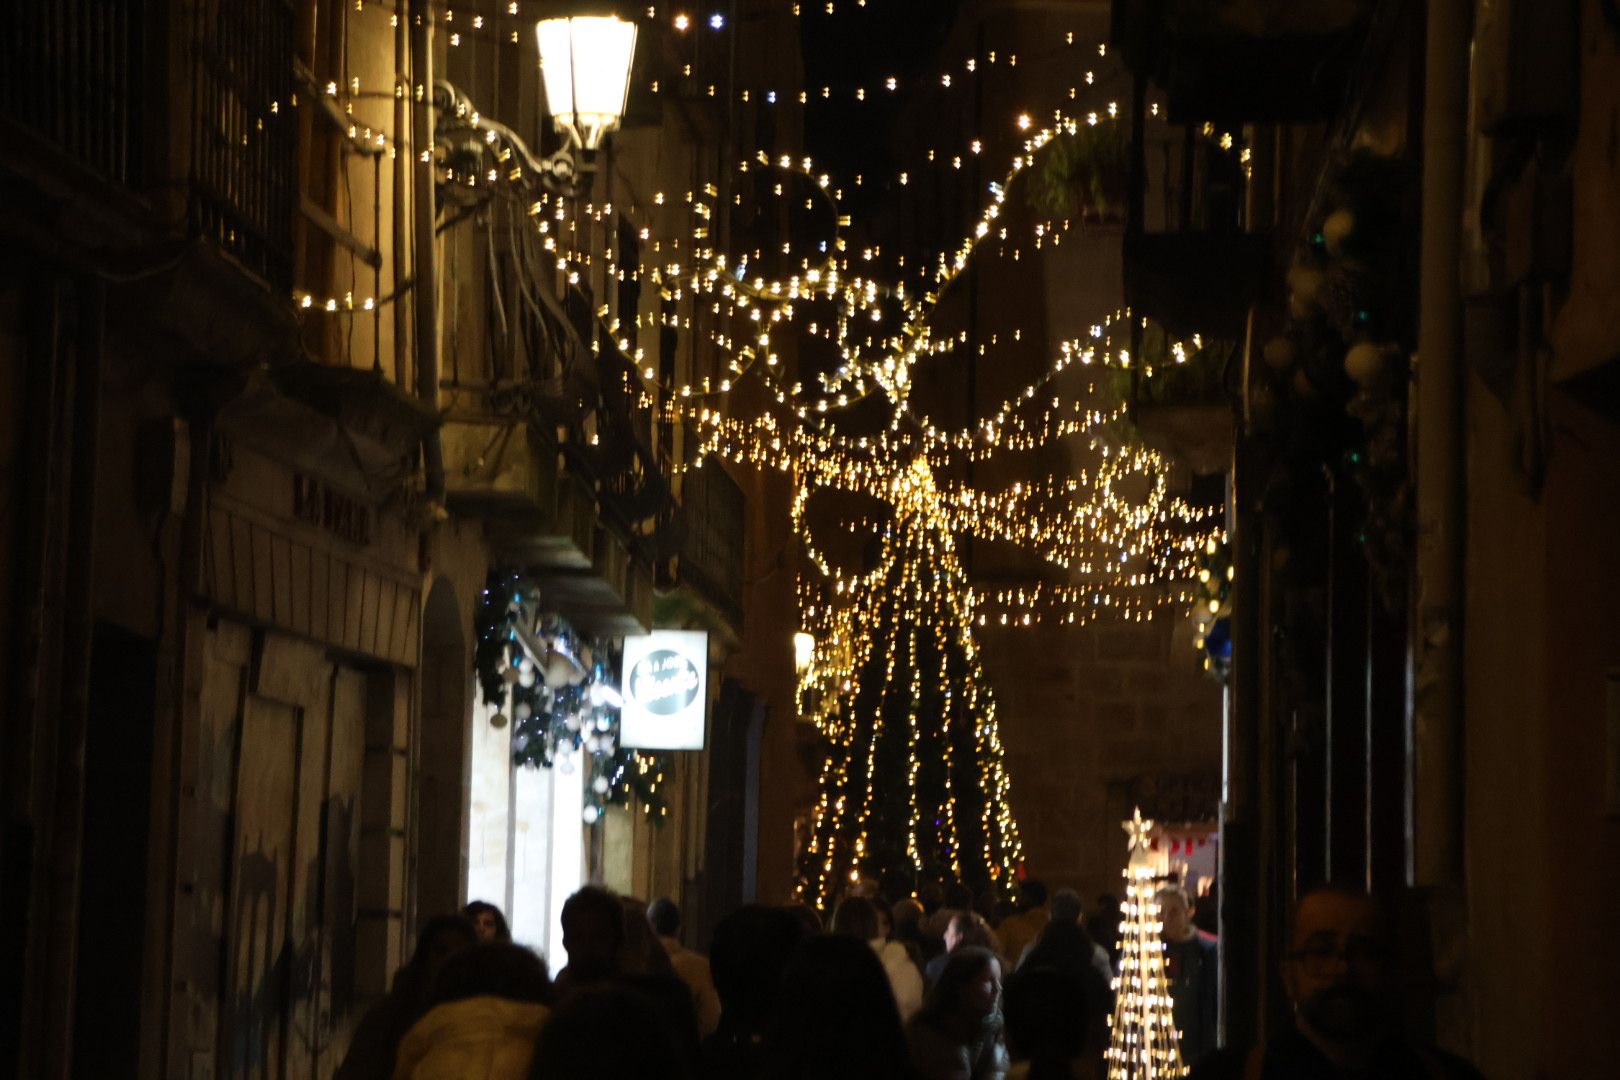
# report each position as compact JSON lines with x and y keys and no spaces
{"x":71,"y":72}
{"x":1234,"y":64}
{"x":711,"y":553}
{"x":542,"y":514}
{"x":244,"y":183}
{"x":122,"y":118}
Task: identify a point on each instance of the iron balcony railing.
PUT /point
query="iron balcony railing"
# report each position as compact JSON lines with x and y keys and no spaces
{"x":711,"y":556}
{"x":244,"y":181}
{"x":71,"y":71}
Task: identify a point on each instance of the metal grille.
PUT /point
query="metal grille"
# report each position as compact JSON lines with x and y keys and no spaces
{"x":243,"y":153}
{"x":69,"y":70}
{"x":712,"y":553}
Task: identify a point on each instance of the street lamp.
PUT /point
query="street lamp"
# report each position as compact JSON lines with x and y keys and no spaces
{"x":585,"y":61}
{"x":804,"y":651}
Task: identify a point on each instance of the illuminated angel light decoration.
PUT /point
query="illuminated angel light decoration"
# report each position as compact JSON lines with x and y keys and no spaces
{"x":1126,"y":545}
{"x":913,"y":782}
{"x":1143,"y":1043}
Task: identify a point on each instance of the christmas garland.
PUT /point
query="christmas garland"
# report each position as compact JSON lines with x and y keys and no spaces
{"x":559,"y":691}
{"x":1333,"y":385}
{"x":1212,"y":609}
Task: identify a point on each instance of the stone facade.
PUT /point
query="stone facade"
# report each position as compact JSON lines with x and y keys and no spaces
{"x":1093,"y":719}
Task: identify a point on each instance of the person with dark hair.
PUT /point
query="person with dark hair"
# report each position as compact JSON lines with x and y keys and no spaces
{"x":607,"y":1031}
{"x":690,"y":966}
{"x":837,"y":1016}
{"x":1340,"y":978}
{"x":1048,"y":1026}
{"x":1065,"y":949}
{"x":752,"y":947}
{"x":609,"y":939}
{"x":906,"y":919}
{"x":490,"y":1002}
{"x":1103,"y":926}
{"x":957,"y":1033}
{"x":1192,"y":962}
{"x":954,"y":897}
{"x":1018,"y":931}
{"x":1065,"y":908}
{"x":593,"y":927}
{"x":966,"y":929}
{"x":857,"y":917}
{"x":376,"y":1039}
{"x":488,"y":922}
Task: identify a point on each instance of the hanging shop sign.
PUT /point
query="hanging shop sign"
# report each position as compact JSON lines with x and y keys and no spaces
{"x":664,"y":685}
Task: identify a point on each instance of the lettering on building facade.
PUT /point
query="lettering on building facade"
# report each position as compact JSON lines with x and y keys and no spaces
{"x":344,"y":516}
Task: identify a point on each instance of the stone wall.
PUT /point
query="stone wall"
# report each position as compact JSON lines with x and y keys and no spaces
{"x":1095,"y":718}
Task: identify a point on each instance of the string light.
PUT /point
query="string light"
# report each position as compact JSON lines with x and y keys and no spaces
{"x":1143,"y":1042}
{"x":1126,"y":545}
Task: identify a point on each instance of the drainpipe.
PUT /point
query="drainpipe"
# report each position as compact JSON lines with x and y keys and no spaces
{"x":402,"y":186}
{"x":1437,"y":705}
{"x":24,"y":751}
{"x":78,"y":618}
{"x":426,"y":223}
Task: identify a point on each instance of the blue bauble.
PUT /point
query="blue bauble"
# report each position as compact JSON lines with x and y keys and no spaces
{"x":1218,"y":641}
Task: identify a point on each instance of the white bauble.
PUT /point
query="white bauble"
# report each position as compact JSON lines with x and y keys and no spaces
{"x":559,"y":670}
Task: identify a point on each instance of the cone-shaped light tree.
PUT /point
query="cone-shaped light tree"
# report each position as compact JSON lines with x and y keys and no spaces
{"x":913,"y":786}
{"x":1142,"y":1042}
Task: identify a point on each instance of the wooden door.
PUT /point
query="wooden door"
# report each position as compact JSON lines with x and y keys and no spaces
{"x":259,"y":916}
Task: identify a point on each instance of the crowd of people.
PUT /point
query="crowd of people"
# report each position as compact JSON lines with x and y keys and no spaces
{"x":932,"y":987}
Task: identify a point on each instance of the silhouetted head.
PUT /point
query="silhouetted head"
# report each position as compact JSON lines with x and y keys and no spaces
{"x":967,"y":929}
{"x":664,"y":916}
{"x":856,"y":917}
{"x":837,"y":1017}
{"x":906,"y":916}
{"x":1065,"y":906}
{"x":1032,"y":894}
{"x":499,"y":970}
{"x":488,"y":921}
{"x":958,"y":897}
{"x":441,"y":937}
{"x":642,"y":952}
{"x":932,"y":897}
{"x":593,"y":931}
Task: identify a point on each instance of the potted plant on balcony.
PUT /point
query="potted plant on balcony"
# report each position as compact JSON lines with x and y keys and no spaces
{"x":1084,"y":173}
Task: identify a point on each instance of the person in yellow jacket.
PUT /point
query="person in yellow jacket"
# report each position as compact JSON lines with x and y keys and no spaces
{"x":492,"y":1001}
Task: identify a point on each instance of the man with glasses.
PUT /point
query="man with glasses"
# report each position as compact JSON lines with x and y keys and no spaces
{"x":1339,"y":976}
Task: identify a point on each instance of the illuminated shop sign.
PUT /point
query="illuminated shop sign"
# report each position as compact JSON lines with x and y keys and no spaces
{"x":665,"y":675}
